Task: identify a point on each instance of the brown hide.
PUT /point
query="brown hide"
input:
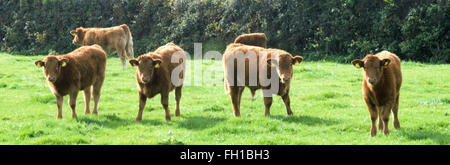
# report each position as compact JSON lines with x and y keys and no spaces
{"x":381,"y":87}
{"x":82,"y":68}
{"x":284,"y":70}
{"x":253,"y":39}
{"x":156,"y":67}
{"x":113,"y":39}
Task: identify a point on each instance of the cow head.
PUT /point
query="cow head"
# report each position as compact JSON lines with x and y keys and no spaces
{"x":78,"y":36}
{"x":373,"y":67}
{"x":283,"y":64}
{"x":52,"y":67}
{"x":146,"y":65}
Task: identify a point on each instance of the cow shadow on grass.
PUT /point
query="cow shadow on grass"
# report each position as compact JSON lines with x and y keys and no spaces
{"x":113,"y":121}
{"x":418,"y":134}
{"x":199,"y":122}
{"x":304,"y":119}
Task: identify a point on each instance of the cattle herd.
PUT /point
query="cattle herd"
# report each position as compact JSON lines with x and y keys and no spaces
{"x":247,"y":63}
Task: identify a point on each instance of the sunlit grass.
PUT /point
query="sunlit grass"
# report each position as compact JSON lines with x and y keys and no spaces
{"x":326,"y":99}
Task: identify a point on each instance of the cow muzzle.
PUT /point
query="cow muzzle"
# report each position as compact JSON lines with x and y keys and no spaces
{"x":371,"y":81}
{"x":285,"y":79}
{"x":145,"y":80}
{"x":51,"y":79}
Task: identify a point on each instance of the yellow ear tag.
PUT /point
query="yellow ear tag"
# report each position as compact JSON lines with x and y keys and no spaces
{"x":357,"y":65}
{"x":386,"y":63}
{"x":39,"y":65}
{"x":63,"y":64}
{"x":157,"y":66}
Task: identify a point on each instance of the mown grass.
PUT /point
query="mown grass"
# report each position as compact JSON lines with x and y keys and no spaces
{"x":325,"y":97}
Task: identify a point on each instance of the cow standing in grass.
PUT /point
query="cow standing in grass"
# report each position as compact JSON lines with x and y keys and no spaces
{"x":240,"y":71}
{"x":82,"y":69}
{"x":160,"y":72}
{"x":381,"y":88}
{"x":114,"y":39}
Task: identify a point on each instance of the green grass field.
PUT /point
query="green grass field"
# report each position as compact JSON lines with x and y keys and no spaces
{"x":326,"y":99}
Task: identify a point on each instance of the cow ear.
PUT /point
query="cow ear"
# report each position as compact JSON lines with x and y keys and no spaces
{"x":297,"y":60}
{"x":73,"y":33}
{"x":79,"y":30}
{"x":39,"y":63}
{"x":156,"y":62}
{"x":358,"y":63}
{"x":133,"y":62}
{"x":385,"y":62}
{"x":63,"y":62}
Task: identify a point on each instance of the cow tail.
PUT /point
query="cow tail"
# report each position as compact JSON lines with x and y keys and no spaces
{"x":129,"y":43}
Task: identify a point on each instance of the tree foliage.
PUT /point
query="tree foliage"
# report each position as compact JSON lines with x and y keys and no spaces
{"x":318,"y":29}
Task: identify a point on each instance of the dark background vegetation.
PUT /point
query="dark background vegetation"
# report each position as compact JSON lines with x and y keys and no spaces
{"x":317,"y":29}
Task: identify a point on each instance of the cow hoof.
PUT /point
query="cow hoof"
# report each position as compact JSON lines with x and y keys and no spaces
{"x":397,"y":125}
{"x":373,"y":133}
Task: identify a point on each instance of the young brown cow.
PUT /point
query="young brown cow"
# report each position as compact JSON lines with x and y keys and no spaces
{"x":239,"y":75}
{"x":160,"y":72}
{"x":81,"y":69}
{"x":253,"y":39}
{"x":381,"y":88}
{"x":114,"y":39}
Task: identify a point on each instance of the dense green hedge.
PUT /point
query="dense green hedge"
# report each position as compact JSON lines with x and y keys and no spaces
{"x":340,"y":29}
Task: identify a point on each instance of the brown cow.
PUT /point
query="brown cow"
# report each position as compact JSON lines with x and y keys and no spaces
{"x":253,"y":39}
{"x":277,"y":60}
{"x":381,"y":88}
{"x":114,"y":39}
{"x":160,"y":72}
{"x":75,"y":71}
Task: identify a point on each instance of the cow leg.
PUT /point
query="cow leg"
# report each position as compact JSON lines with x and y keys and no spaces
{"x":165,"y":104}
{"x":267,"y":104}
{"x":287,"y":103}
{"x":373,"y":117}
{"x":373,"y":111}
{"x":395,"y":111}
{"x":59,"y":103}
{"x":87,"y":100}
{"x":234,"y":94}
{"x":380,"y":121}
{"x":177,"y":100}
{"x":142,"y":101}
{"x":73,"y":103}
{"x":124,"y":63}
{"x":97,"y":87}
{"x":385,"y":113}
{"x":122,"y":55}
{"x":241,"y":90}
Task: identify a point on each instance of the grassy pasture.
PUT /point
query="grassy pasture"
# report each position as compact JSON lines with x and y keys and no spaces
{"x":325,"y":97}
